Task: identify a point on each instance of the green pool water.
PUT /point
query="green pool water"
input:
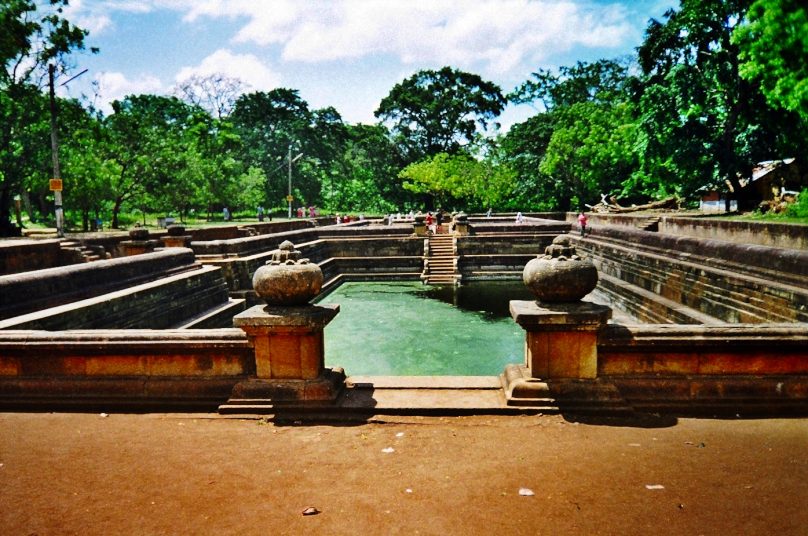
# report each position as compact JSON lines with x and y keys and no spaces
{"x":411,"y":329}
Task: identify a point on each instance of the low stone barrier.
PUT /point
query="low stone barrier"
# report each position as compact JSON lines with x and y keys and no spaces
{"x":26,"y":255}
{"x":748,"y":368}
{"x":161,"y":304}
{"x":33,"y":291}
{"x":122,"y":369}
{"x":730,"y":282}
{"x":779,"y":235}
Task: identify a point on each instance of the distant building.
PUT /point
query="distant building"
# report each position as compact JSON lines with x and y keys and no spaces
{"x":771,"y":179}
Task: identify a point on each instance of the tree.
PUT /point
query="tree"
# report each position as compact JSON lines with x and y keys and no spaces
{"x":152,"y":147}
{"x":774,"y":52}
{"x":559,"y":160}
{"x":368,"y":181}
{"x":590,"y":152}
{"x":29,"y":41}
{"x":216,"y":93}
{"x":440,"y":111}
{"x":523,"y":148}
{"x":269,"y":123}
{"x":602,"y":81}
{"x":459,"y":181}
{"x":85,"y":169}
{"x":702,"y":123}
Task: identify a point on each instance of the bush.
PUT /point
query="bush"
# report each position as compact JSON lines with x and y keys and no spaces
{"x":799,"y":209}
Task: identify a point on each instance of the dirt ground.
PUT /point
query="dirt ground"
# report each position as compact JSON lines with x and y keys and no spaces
{"x":205,"y":474}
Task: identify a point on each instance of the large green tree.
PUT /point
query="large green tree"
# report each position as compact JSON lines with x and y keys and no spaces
{"x":580,"y":143}
{"x":270,"y":123}
{"x":590,"y":152}
{"x":458,"y":181}
{"x":32,"y":36}
{"x":774,"y":51}
{"x":702,"y":123}
{"x":440,"y":111}
{"x":601,"y":81}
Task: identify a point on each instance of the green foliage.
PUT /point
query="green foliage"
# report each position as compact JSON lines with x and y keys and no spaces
{"x":440,"y":111}
{"x":601,"y":81}
{"x":701,"y":123}
{"x":32,"y":35}
{"x":459,"y":181}
{"x":583,"y":145}
{"x":523,"y":148}
{"x":799,"y":209}
{"x":774,"y":52}
{"x":270,"y":123}
{"x":590,"y":151}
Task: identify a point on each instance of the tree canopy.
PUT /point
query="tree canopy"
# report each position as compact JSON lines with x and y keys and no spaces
{"x":774,"y":52}
{"x":440,"y":111}
{"x":715,"y":87}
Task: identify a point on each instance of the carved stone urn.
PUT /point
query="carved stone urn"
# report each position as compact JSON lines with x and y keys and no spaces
{"x":287,"y":279}
{"x":560,"y":276}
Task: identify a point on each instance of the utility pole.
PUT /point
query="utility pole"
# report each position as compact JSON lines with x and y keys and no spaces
{"x":289,"y":197}
{"x":291,"y":161}
{"x":56,"y":183}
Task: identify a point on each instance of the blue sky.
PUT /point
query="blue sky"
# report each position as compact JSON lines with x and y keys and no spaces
{"x":343,"y":53}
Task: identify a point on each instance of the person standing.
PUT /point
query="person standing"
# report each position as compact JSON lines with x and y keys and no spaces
{"x":582,"y":222}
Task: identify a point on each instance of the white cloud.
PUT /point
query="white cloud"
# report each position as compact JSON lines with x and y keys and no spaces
{"x":116,"y":86}
{"x":499,"y":35}
{"x":245,"y":67}
{"x":95,"y":16}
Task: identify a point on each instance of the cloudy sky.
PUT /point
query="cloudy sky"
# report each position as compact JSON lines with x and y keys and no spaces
{"x":344,"y":53}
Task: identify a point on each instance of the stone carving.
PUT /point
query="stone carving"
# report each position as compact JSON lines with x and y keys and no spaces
{"x":287,"y":279}
{"x":560,"y":275}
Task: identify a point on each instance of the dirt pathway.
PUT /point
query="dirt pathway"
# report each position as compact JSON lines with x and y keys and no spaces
{"x":204,"y":474}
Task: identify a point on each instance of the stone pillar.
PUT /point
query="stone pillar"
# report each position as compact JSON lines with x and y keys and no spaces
{"x":561,"y":339}
{"x":419,"y":225}
{"x":460,"y":224}
{"x":138,"y":242}
{"x":288,"y":341}
{"x":176,"y":237}
{"x":287,"y":337}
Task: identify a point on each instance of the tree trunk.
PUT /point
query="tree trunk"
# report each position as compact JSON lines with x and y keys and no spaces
{"x":116,"y":208}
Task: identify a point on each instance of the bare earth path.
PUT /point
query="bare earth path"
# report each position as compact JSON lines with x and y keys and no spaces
{"x":204,"y":474}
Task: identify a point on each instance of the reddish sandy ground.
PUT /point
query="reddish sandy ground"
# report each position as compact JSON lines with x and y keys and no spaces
{"x":204,"y":474}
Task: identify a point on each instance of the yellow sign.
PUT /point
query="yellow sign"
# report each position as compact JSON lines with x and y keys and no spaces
{"x":56,"y":185}
{"x":290,"y":198}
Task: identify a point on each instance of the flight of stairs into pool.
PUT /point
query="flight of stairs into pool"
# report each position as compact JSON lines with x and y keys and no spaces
{"x":440,"y":260}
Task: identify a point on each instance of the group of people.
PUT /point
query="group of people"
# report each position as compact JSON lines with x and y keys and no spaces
{"x":349,"y":218}
{"x":312,"y":211}
{"x":434,"y":223}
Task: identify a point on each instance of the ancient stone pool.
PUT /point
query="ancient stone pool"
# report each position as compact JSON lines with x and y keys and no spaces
{"x":406,"y":328}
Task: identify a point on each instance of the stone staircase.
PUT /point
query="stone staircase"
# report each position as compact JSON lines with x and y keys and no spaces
{"x":78,"y":252}
{"x":440,"y":262}
{"x":651,"y":224}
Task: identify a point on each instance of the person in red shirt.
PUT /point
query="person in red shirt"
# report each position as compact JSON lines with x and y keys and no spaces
{"x":582,"y":223}
{"x":430,"y":221}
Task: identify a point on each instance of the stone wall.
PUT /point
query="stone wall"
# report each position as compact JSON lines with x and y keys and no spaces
{"x":729,"y":282}
{"x":25,"y":255}
{"x":679,"y":369}
{"x":129,"y":369}
{"x":772,"y":234}
{"x":33,"y":291}
{"x":703,"y":369}
{"x":343,"y":252}
{"x":780,"y":235}
{"x":497,"y":252}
